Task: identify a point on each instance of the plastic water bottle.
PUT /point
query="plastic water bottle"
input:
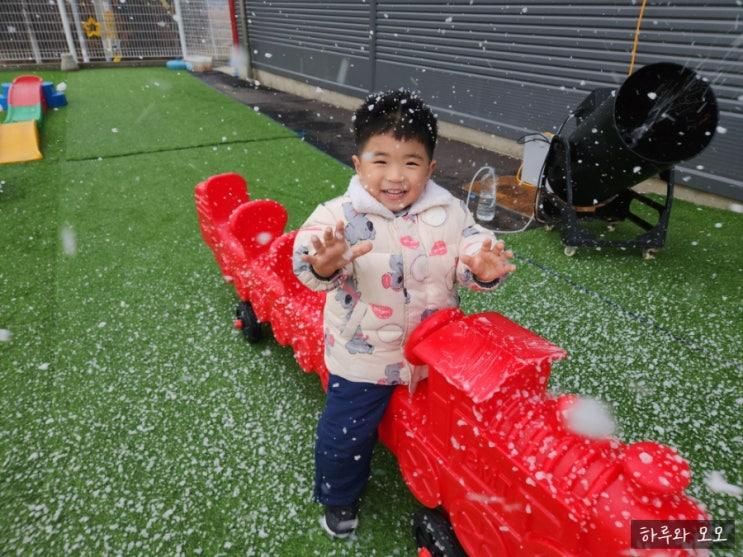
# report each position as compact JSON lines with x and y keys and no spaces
{"x":486,"y":204}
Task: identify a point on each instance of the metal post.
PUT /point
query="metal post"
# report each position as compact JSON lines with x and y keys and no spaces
{"x":246,"y":41}
{"x":233,"y":23}
{"x":179,"y":22}
{"x":79,"y":29}
{"x":31,"y":34}
{"x":100,"y":14}
{"x":373,"y":45}
{"x":67,"y":30}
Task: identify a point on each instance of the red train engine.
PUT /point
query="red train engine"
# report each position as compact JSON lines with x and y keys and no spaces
{"x":481,"y":438}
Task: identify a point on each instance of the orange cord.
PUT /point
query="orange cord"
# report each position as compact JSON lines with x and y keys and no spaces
{"x":637,"y":37}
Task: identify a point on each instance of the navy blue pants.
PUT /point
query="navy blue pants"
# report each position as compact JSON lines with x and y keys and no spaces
{"x":346,"y":435}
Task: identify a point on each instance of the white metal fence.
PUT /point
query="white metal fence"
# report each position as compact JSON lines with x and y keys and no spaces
{"x":206,"y":28}
{"x":37,"y":31}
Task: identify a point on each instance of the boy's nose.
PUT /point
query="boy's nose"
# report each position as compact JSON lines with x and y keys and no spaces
{"x":394,"y":173}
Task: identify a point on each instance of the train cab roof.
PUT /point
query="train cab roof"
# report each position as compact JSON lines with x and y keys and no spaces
{"x":479,"y":353}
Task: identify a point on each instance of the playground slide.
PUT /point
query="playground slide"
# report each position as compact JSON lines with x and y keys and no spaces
{"x":26,"y":99}
{"x":19,"y":135}
{"x":19,"y":142}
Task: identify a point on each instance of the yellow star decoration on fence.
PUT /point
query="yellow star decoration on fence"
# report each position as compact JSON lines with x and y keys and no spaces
{"x":92,"y":28}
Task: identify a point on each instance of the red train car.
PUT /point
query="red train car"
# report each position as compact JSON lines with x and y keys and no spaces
{"x":481,"y":439}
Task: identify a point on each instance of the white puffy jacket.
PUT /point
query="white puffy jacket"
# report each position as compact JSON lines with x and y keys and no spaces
{"x":374,"y":303}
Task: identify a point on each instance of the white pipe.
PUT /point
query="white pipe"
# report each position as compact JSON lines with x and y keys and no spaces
{"x":67,"y":30}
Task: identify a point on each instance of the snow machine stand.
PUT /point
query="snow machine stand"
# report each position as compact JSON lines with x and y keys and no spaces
{"x":662,"y":114}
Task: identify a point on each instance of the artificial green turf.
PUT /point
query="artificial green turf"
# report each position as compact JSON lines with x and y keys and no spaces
{"x":691,"y":289}
{"x":136,"y":419}
{"x":139,"y":110}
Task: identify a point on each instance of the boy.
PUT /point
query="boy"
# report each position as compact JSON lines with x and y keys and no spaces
{"x":389,"y":252}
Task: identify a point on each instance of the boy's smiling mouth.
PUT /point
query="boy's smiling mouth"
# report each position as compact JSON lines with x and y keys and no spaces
{"x":394,"y":194}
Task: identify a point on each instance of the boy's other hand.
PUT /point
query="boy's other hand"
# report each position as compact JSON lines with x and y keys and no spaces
{"x":332,"y":252}
{"x":491,"y":262}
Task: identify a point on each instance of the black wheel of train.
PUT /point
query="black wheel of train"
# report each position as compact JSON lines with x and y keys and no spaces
{"x":249,"y":324}
{"x":433,"y":532}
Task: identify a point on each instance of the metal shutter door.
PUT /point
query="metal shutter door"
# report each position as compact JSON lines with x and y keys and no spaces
{"x":325,"y":43}
{"x":514,"y":68}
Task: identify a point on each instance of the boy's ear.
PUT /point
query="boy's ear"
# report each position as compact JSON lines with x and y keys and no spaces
{"x":431,"y":168}
{"x":356,"y":163}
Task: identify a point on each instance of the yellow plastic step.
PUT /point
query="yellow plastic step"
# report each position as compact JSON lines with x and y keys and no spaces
{"x":19,"y":142}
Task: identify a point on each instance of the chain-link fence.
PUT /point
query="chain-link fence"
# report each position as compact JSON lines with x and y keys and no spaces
{"x":206,"y":28}
{"x":37,"y":31}
{"x":31,"y":31}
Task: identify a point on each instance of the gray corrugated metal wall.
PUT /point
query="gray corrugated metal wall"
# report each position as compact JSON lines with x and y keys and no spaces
{"x":326,"y":43}
{"x":510,"y":68}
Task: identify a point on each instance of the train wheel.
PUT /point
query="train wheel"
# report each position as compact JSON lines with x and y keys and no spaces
{"x":434,"y":536}
{"x":247,"y":322}
{"x":648,"y":254}
{"x":419,"y":470}
{"x":478,"y":529}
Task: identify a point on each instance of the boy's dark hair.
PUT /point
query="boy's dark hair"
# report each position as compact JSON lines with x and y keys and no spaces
{"x":401,"y":113}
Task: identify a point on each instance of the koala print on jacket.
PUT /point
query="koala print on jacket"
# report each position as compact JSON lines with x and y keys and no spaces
{"x":428,"y":313}
{"x":470,"y":231}
{"x":358,"y":344}
{"x":298,"y":264}
{"x":396,"y":279}
{"x":358,"y":227}
{"x":348,"y":295}
{"x":392,"y":374}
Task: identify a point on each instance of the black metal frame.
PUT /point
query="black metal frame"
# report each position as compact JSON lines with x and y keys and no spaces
{"x":615,"y":210}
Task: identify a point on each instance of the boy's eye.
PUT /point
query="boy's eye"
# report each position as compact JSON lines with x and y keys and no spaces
{"x":411,"y":163}
{"x":380,"y":162}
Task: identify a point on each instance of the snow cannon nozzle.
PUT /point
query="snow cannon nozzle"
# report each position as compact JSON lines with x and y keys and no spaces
{"x":661,"y":115}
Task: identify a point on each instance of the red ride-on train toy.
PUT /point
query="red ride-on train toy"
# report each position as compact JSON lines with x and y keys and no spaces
{"x":481,"y":444}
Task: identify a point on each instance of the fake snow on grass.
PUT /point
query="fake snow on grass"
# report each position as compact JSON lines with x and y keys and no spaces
{"x":164,"y":438}
{"x":716,"y":481}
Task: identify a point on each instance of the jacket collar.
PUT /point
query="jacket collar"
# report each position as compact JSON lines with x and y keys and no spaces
{"x":362,"y":201}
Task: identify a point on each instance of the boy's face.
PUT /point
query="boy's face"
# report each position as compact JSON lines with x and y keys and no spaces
{"x":393,"y":171}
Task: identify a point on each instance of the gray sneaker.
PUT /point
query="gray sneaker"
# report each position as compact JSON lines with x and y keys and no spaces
{"x":340,"y":521}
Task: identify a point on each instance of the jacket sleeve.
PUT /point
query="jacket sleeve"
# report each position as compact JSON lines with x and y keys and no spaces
{"x":318,"y":221}
{"x":473,"y":235}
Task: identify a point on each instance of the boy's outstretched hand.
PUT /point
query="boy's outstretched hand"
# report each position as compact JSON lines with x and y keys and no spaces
{"x":491,"y":262}
{"x":332,"y":252}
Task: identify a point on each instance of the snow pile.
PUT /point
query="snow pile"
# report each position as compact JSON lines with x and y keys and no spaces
{"x":590,"y":417}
